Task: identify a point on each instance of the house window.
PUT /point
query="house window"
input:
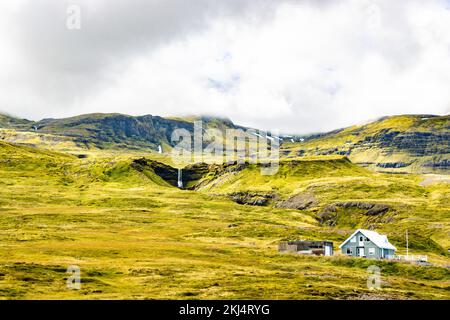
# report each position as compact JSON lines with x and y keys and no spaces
{"x":372,"y":251}
{"x":361,"y":238}
{"x":349,"y":251}
{"x":366,"y":239}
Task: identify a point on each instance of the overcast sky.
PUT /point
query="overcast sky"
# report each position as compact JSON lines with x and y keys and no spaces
{"x":294,"y":66}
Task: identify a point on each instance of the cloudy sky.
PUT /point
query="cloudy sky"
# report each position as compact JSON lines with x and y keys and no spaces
{"x":295,"y":66}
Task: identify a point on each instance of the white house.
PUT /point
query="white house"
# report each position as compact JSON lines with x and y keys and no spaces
{"x":368,"y":244}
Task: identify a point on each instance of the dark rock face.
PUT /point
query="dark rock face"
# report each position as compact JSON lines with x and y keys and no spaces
{"x":438,"y":164}
{"x":329,"y":214}
{"x":104,"y":130}
{"x":126,"y":130}
{"x":344,"y":152}
{"x":393,"y":165}
{"x":200,"y":174}
{"x":326,"y":152}
{"x":147,"y":129}
{"x":170,"y":174}
{"x":166,"y":172}
{"x":252,"y":198}
{"x":365,"y":164}
{"x":300,"y":201}
{"x":416,"y":143}
{"x":191,"y":174}
{"x":196,"y":171}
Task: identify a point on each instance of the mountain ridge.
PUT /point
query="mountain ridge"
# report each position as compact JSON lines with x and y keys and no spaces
{"x":108,"y":130}
{"x":408,"y":142}
{"x":402,"y":143}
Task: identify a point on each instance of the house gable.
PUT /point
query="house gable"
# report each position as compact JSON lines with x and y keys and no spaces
{"x":380,"y":241}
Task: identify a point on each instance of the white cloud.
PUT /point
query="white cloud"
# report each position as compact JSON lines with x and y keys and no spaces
{"x":298,"y":67}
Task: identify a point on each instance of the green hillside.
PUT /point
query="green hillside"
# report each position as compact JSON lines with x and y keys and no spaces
{"x":410,"y":143}
{"x":7,"y":121}
{"x":343,"y":195}
{"x":104,"y":131}
{"x":135,"y":235}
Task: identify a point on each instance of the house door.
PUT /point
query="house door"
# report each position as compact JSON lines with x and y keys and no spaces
{"x":361,"y":252}
{"x":327,"y":250}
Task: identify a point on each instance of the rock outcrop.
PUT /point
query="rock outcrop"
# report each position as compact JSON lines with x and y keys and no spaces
{"x":393,"y":165}
{"x":252,"y":198}
{"x":299,"y":201}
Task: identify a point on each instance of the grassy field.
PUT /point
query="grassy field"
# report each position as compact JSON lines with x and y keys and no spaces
{"x":136,"y":237}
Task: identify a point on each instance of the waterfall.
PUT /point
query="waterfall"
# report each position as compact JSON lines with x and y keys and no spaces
{"x":159,"y":149}
{"x":180,"y":179}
